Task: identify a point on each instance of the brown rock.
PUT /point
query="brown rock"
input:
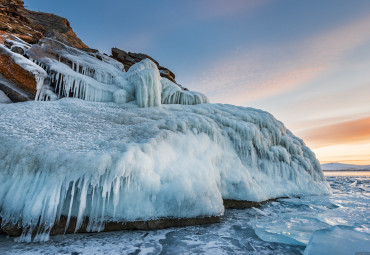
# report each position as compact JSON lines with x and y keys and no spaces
{"x":129,"y":58}
{"x":13,"y":92}
{"x":59,"y":228}
{"x":15,"y":73}
{"x":242,"y":204}
{"x":31,"y":26}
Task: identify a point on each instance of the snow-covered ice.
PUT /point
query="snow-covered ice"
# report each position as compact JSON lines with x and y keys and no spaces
{"x":119,"y":162}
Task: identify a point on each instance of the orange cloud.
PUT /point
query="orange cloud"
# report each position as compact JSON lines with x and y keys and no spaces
{"x":355,"y":131}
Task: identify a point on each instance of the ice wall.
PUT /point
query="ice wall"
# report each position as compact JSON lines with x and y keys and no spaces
{"x":119,"y":162}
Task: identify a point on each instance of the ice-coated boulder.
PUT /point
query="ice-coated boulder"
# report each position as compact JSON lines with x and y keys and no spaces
{"x":128,"y":59}
{"x":24,"y":73}
{"x":98,"y":163}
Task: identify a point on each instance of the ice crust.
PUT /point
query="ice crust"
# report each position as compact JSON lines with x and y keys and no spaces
{"x":120,"y":162}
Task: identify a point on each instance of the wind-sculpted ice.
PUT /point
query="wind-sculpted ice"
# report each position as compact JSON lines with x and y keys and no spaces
{"x":99,"y":78}
{"x":119,"y":162}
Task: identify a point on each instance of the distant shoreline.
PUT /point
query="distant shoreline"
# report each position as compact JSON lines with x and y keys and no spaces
{"x":345,"y":170}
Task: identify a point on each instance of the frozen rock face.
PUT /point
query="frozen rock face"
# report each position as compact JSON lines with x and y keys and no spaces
{"x":128,"y":59}
{"x":23,"y":72}
{"x":118,"y":162}
{"x":51,"y":70}
{"x":93,"y":77}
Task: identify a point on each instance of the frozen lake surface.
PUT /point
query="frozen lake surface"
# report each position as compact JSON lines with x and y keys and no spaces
{"x":283,"y":227}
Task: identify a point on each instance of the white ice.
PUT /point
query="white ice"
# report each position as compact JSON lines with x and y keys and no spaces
{"x":4,"y":99}
{"x":119,"y":162}
{"x":338,"y":240}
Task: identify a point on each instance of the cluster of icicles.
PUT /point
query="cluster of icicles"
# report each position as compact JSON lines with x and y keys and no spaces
{"x":85,"y":77}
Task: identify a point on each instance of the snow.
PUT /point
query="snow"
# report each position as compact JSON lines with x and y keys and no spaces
{"x":338,"y":240}
{"x":4,"y":99}
{"x":14,"y":41}
{"x":344,"y":167}
{"x":120,"y":162}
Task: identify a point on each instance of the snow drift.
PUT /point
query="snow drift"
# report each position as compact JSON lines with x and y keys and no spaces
{"x":119,"y":162}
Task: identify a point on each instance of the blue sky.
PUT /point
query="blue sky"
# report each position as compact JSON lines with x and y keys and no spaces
{"x":306,"y":62}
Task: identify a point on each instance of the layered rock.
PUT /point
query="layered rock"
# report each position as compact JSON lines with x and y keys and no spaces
{"x":23,"y":72}
{"x":32,"y":26}
{"x":128,"y":59}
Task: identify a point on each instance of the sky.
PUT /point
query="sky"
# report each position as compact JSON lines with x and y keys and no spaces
{"x":306,"y":62}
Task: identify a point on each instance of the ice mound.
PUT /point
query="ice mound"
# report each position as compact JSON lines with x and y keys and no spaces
{"x":119,"y":162}
{"x":338,"y":240}
{"x":99,"y":78}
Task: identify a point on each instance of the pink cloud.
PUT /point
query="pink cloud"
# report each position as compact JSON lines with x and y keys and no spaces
{"x":259,"y":74}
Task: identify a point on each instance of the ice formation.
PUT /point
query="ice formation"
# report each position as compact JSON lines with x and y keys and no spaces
{"x":338,"y":240}
{"x":120,"y":162}
{"x":173,"y":94}
{"x":99,"y":78}
{"x":4,"y":99}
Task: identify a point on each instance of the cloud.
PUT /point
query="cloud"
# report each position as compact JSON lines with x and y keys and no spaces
{"x":349,"y":132}
{"x":260,"y":73}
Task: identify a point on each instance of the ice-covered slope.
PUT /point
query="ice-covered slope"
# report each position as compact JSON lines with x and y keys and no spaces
{"x":119,"y":162}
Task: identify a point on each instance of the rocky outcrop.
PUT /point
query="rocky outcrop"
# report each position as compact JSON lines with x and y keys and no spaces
{"x":21,"y":71}
{"x":13,"y":92}
{"x":128,"y":59}
{"x":31,"y":26}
